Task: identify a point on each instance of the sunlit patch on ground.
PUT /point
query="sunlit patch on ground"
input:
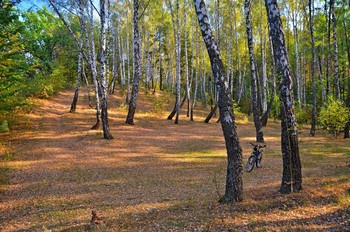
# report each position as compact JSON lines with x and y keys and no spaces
{"x":157,"y":176}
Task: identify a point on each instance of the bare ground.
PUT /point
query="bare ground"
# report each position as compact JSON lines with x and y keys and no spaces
{"x":157,"y":176}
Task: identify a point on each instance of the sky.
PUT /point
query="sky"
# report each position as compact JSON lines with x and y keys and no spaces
{"x":26,"y":4}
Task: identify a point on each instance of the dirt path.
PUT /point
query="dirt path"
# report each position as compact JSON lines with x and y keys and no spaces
{"x":155,"y":176}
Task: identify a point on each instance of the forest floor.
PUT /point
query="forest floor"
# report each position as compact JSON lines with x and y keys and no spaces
{"x":158,"y":176}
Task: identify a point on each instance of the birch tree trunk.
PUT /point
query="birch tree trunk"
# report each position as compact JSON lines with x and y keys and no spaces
{"x":114,"y":61}
{"x":313,"y":64}
{"x":176,"y":25}
{"x":292,"y":177}
{"x":335,"y":45}
{"x":103,"y":72}
{"x":328,"y":16}
{"x":93,"y":62}
{"x":297,"y":59}
{"x":254,"y":91}
{"x":136,"y":66}
{"x":263,"y":89}
{"x":77,"y":87}
{"x":238,"y":57}
{"x":234,"y":182}
{"x":186,"y":62}
{"x":347,"y":102}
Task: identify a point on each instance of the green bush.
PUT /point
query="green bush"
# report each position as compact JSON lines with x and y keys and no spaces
{"x":333,"y":116}
{"x":303,"y":114}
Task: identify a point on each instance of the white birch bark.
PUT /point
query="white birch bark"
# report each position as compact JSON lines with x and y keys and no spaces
{"x":136,"y":65}
{"x":234,"y":182}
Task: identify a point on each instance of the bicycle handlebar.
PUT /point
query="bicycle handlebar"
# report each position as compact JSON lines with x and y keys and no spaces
{"x":259,"y":146}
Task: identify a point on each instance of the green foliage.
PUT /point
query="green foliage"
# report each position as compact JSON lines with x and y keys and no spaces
{"x":158,"y":106}
{"x":303,"y":114}
{"x":333,"y":116}
{"x":276,"y":110}
{"x":4,"y":127}
{"x":35,"y":56}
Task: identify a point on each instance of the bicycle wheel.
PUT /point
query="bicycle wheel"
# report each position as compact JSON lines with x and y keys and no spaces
{"x":250,"y":164}
{"x":258,"y":161}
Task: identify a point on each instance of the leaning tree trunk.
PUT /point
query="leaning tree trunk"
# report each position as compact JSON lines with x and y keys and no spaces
{"x":234,"y":182}
{"x":335,"y":45}
{"x":103,"y":72}
{"x":176,"y":25}
{"x":313,"y":63}
{"x":292,"y":178}
{"x":136,"y":66}
{"x":73,"y":106}
{"x":254,"y":92}
{"x":93,"y":62}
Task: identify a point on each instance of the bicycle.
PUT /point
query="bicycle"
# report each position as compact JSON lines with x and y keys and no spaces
{"x":255,"y":158}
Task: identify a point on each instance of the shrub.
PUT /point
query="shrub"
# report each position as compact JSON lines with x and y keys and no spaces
{"x":303,"y":114}
{"x":333,"y":116}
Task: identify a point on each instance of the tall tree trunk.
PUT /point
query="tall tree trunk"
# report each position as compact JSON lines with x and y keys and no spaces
{"x":238,"y":56}
{"x":254,"y":91}
{"x":347,"y":126}
{"x":263,"y":86}
{"x":328,"y":71}
{"x":234,"y":182}
{"x":292,"y":177}
{"x":266,"y":114}
{"x":335,"y":44}
{"x":176,"y":25}
{"x":87,"y":86}
{"x":104,"y":72}
{"x":186,"y":62}
{"x":136,"y":66}
{"x":128,"y":59}
{"x":114,"y":61}
{"x":313,"y":64}
{"x":94,"y":69}
{"x":297,"y":60}
{"x":77,"y":87}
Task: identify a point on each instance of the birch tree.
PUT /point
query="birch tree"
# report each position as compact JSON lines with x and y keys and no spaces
{"x":136,"y":65}
{"x":254,"y":87}
{"x":292,"y":177}
{"x":313,"y":64}
{"x":234,"y":182}
{"x":335,"y":45}
{"x":103,"y":71}
{"x":176,"y":26}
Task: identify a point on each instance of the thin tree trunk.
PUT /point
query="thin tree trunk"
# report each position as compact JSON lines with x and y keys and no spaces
{"x":176,"y":25}
{"x":335,"y":44}
{"x":297,"y":60}
{"x":104,"y":72}
{"x":313,"y":63}
{"x":136,"y":66}
{"x":292,"y":177}
{"x":87,"y":86}
{"x":328,"y":75}
{"x":263,"y":86}
{"x":128,"y":59}
{"x":77,"y":87}
{"x":234,"y":182}
{"x":114,"y":62}
{"x":94,"y":70}
{"x":347,"y":126}
{"x":254,"y":93}
{"x":186,"y":62}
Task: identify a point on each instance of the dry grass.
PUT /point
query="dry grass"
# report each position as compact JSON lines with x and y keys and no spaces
{"x":157,"y":176}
